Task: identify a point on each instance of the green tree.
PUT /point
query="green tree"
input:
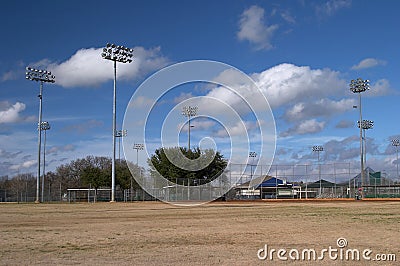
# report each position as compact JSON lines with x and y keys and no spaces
{"x":160,"y":164}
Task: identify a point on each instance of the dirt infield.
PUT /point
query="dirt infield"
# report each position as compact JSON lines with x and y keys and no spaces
{"x":153,"y":233}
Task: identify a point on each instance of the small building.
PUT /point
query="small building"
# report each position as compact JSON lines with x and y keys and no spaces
{"x":269,"y":188}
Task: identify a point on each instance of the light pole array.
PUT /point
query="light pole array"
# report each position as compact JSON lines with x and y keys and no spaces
{"x":365,"y":124}
{"x":138,"y":147}
{"x":120,"y":134}
{"x":396,"y":143}
{"x":42,"y":76}
{"x":44,"y":126}
{"x":115,"y":53}
{"x":357,"y":86}
{"x":189,"y":111}
{"x":318,"y":149}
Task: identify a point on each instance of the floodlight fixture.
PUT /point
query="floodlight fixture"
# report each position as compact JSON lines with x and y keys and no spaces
{"x":121,"y":55}
{"x":42,"y":76}
{"x":252,"y":154}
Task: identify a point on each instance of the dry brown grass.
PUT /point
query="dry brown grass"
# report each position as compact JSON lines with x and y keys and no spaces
{"x":219,"y":233}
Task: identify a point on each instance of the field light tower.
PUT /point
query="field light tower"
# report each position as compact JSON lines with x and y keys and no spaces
{"x":115,"y":53}
{"x":252,"y":155}
{"x":41,"y":76}
{"x":318,"y":149}
{"x":357,"y":86}
{"x":396,"y":143}
{"x":44,"y":126}
{"x":120,"y":134}
{"x":365,"y":124}
{"x":138,"y":147}
{"x":189,"y":111}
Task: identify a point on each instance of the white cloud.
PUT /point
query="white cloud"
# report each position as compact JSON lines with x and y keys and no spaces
{"x":288,"y":17}
{"x":304,"y":127}
{"x":252,"y":28}
{"x":330,"y":7}
{"x":241,"y":128}
{"x":87,"y":68}
{"x":379,"y":88}
{"x":183,"y":96}
{"x":11,"y":112}
{"x":24,"y":165}
{"x":288,"y":83}
{"x":319,"y":108}
{"x":368,"y":63}
{"x":141,"y":101}
{"x":281,"y":85}
{"x":57,"y":149}
{"x":197,"y":124}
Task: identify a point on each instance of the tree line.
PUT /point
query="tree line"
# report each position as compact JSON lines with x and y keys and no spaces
{"x":95,"y":172}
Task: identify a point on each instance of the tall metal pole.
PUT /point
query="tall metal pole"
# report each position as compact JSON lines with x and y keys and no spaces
{"x":39,"y":142}
{"x":365,"y":125}
{"x":358,"y":86}
{"x":137,"y":147}
{"x":123,"y":55}
{"x":113,"y":133}
{"x":44,"y":126}
{"x":361,"y":148}
{"x":44,"y":164}
{"x":189,"y":112}
{"x":42,"y":76}
{"x":396,"y":143}
{"x":318,"y":149}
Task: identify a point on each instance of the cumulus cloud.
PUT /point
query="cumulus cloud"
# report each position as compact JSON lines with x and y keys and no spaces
{"x":87,"y":68}
{"x":252,"y":28}
{"x":241,"y":128}
{"x":11,"y":113}
{"x":368,"y":63}
{"x":305,"y":127}
{"x":330,"y":7}
{"x":319,"y":108}
{"x":286,"y":83}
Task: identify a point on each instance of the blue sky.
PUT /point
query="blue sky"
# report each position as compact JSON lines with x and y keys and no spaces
{"x":302,"y":55}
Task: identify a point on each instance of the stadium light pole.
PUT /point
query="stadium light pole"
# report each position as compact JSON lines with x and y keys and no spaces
{"x":318,"y":149}
{"x":252,"y":155}
{"x":189,"y":111}
{"x":41,"y":76}
{"x":357,"y":86}
{"x":115,"y":53}
{"x":138,"y":147}
{"x":44,"y":126}
{"x":396,"y":143}
{"x":365,"y":124}
{"x":120,"y":134}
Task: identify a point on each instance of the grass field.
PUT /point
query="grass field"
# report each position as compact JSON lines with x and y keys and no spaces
{"x":153,"y":233}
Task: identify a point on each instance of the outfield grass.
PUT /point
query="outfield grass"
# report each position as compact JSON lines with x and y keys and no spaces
{"x":153,"y":233}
